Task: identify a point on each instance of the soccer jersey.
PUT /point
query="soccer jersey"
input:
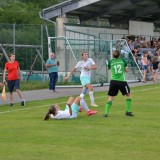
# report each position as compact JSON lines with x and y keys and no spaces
{"x":12,"y":69}
{"x":117,"y":67}
{"x":66,"y":114}
{"x":61,"y":115}
{"x":52,"y":68}
{"x":82,"y":64}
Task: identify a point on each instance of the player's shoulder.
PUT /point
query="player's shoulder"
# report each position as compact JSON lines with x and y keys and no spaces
{"x":16,"y":61}
{"x":89,"y":59}
{"x":124,"y":60}
{"x":79,"y":62}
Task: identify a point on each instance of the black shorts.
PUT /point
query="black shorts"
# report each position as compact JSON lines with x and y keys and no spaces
{"x":13,"y":84}
{"x":115,"y":86}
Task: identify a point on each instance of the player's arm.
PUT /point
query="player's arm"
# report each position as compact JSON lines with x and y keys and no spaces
{"x":125,"y":66}
{"x":72,"y":71}
{"x":93,"y":67}
{"x":126,"y":69}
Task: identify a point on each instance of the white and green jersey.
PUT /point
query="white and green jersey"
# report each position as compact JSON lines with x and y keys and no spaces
{"x":117,"y":67}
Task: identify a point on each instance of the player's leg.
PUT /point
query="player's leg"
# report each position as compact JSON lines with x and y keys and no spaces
{"x":113,"y":91}
{"x":108,"y":106}
{"x":84,"y":90}
{"x":90,"y":88}
{"x":70,"y":100}
{"x":17,"y":87}
{"x":85,"y":81}
{"x":86,"y":108}
{"x":125,"y":90}
{"x":128,"y":105}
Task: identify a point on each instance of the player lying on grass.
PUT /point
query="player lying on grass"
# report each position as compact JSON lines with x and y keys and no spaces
{"x":72,"y":108}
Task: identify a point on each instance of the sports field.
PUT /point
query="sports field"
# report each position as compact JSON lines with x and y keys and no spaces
{"x":25,"y":136}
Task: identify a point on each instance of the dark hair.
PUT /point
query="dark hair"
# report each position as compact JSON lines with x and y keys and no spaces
{"x":155,"y":59}
{"x":145,"y":52}
{"x":52,"y":110}
{"x":116,"y":54}
{"x":11,"y":54}
{"x":83,"y":53}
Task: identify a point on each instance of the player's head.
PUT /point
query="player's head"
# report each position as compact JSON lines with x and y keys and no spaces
{"x":84,"y":55}
{"x":52,"y":55}
{"x":145,"y":53}
{"x":116,"y":53}
{"x":155,"y":59}
{"x":52,"y":110}
{"x":12,"y":56}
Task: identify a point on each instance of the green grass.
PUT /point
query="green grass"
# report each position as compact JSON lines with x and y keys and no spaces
{"x":35,"y":85}
{"x":24,"y":134}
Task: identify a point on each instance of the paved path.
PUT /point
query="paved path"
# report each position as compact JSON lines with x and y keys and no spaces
{"x":61,"y":92}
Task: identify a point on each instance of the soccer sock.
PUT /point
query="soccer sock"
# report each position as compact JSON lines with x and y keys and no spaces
{"x":108,"y":106}
{"x":128,"y":105}
{"x":91,"y":96}
{"x":84,"y":105}
{"x":82,"y":95}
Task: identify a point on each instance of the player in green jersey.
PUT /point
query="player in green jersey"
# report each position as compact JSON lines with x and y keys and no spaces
{"x":118,"y":67}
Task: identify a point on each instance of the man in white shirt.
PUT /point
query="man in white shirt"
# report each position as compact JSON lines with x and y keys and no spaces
{"x":86,"y":65}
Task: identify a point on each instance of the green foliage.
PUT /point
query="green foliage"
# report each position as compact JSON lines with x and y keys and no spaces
{"x":20,"y":13}
{"x":23,"y":11}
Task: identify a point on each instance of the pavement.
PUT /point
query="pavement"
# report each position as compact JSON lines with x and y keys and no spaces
{"x":60,"y":92}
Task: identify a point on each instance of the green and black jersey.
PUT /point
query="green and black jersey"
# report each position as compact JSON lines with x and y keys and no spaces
{"x":117,"y":67}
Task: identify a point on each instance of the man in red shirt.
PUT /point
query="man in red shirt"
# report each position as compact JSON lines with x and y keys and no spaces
{"x":12,"y":67}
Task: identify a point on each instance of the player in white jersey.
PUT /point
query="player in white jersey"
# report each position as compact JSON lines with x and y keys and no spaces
{"x":86,"y":65}
{"x":71,"y":110}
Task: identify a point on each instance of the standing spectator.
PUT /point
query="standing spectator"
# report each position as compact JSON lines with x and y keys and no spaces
{"x":118,"y":66}
{"x":149,"y":59}
{"x":13,"y":69}
{"x":86,"y":65}
{"x":52,"y":65}
{"x":144,"y":65}
{"x":158,"y":54}
{"x":156,"y":66}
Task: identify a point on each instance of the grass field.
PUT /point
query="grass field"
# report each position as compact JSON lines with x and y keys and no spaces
{"x":25,"y":136}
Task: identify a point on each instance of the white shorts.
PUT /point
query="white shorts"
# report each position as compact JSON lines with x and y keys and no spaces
{"x":85,"y":80}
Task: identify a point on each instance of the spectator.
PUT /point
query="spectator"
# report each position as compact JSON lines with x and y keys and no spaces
{"x":149,"y":61}
{"x":52,"y":65}
{"x":13,"y":69}
{"x":144,"y":66}
{"x":156,"y":66}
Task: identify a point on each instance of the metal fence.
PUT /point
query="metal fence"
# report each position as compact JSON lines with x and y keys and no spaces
{"x":29,"y":43}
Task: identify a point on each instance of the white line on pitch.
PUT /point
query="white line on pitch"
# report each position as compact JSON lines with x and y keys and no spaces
{"x":22,"y":109}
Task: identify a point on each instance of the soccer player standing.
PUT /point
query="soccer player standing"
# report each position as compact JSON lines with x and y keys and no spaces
{"x":118,"y":67}
{"x":86,"y":65}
